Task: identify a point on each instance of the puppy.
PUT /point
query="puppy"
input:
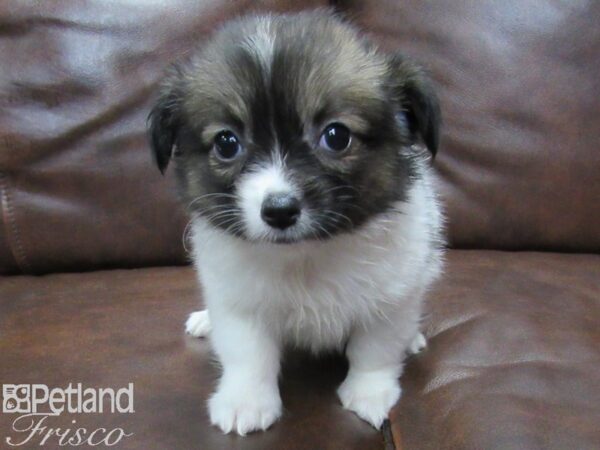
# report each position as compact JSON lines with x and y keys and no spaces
{"x":314,"y":220}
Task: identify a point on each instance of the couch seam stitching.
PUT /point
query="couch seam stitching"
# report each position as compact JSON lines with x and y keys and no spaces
{"x":12,"y":230}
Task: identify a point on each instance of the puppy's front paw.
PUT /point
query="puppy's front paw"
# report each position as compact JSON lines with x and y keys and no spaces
{"x":244,"y":408}
{"x":198,"y":324}
{"x":370,"y":395}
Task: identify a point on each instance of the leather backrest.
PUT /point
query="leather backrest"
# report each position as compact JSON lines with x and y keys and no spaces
{"x":520,"y":90}
{"x":518,"y":81}
{"x":77,"y":79}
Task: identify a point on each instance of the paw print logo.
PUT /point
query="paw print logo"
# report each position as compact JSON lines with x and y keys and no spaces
{"x":16,"y":398}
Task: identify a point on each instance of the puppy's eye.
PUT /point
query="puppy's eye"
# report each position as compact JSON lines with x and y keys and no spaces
{"x":227,"y":146}
{"x":336,"y":138}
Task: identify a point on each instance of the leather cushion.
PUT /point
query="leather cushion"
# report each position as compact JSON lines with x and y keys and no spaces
{"x":110,"y":328}
{"x":513,"y":360}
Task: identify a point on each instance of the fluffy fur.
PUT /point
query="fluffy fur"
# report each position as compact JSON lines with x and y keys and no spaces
{"x":352,"y":272}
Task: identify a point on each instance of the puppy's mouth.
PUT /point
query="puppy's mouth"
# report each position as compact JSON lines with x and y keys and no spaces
{"x":283,"y":237}
{"x":306,"y":229}
{"x":258,"y":231}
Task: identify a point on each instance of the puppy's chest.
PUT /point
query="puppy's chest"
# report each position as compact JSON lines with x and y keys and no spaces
{"x":312,"y":295}
{"x":315,"y":303}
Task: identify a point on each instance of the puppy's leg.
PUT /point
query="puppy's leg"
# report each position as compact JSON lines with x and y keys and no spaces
{"x":375,"y":354}
{"x":247,"y":397}
{"x":198,"y":324}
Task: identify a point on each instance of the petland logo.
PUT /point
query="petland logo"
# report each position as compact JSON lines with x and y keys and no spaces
{"x":36,"y":404}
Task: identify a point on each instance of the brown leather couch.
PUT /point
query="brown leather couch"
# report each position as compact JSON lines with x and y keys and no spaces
{"x":96,"y":285}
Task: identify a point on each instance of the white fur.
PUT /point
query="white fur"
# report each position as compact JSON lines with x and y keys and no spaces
{"x":254,"y":187}
{"x":417,"y":344}
{"x":364,"y":288}
{"x":252,"y":190}
{"x":198,"y":324}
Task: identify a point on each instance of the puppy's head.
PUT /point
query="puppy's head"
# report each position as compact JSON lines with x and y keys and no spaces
{"x":285,"y":128}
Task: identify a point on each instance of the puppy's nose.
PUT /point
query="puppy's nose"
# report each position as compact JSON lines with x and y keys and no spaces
{"x":280,"y":210}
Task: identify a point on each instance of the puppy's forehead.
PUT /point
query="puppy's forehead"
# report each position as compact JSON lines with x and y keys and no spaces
{"x":325,"y":60}
{"x":300,"y":64}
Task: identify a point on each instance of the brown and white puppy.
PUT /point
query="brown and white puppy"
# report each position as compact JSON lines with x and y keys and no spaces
{"x":313,"y":214}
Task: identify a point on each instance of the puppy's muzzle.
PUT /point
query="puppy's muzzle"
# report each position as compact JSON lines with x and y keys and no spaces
{"x":280,"y":210}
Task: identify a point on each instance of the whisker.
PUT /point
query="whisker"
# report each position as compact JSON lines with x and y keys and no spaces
{"x":329,"y":212}
{"x":213,"y":194}
{"x":356,"y":207}
{"x":186,"y":231}
{"x":323,"y":229}
{"x":337,"y":188}
{"x":232,"y":212}
{"x":210,"y":208}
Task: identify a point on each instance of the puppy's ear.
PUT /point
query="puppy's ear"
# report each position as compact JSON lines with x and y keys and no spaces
{"x":417,"y":99}
{"x":163,"y":123}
